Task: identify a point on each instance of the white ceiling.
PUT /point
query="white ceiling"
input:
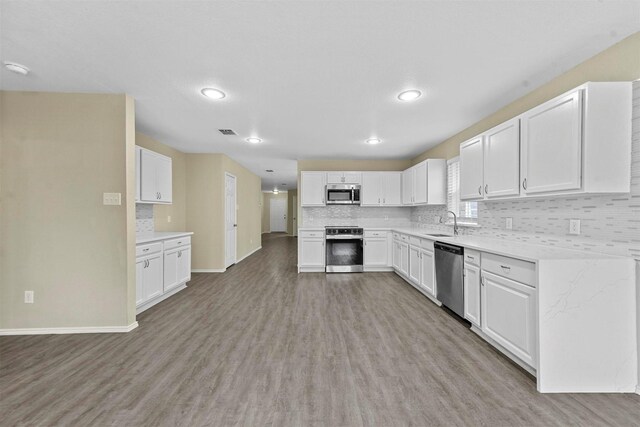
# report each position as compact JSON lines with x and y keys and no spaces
{"x":314,"y":79}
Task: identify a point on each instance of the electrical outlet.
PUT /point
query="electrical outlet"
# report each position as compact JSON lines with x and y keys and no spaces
{"x":28,"y":297}
{"x":111,"y":199}
{"x":168,"y":218}
{"x":574,"y":226}
{"x":386,"y":217}
{"x":509,"y":223}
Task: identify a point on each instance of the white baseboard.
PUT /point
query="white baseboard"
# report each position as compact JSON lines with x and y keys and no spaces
{"x":638,"y":389}
{"x":249,"y":254}
{"x":208,"y":270}
{"x":147,"y":305}
{"x":76,"y":330}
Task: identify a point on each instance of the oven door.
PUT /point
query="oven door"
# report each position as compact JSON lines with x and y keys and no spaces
{"x":344,"y":255}
{"x":339,"y":196}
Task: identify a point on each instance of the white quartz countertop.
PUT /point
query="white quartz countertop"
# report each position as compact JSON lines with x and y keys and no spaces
{"x":509,"y":248}
{"x":164,"y":235}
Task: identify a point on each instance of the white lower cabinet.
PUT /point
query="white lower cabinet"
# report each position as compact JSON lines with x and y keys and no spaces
{"x":148,"y":278}
{"x":311,"y":251}
{"x":427,"y":272}
{"x":376,"y":250}
{"x":404,"y":258}
{"x":472,"y":294}
{"x":508,"y":315}
{"x":162,"y":267}
{"x":414,"y":264}
{"x":396,"y":255}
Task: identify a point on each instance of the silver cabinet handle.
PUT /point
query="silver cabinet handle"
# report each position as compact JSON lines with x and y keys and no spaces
{"x":378,"y":199}
{"x":480,"y":190}
{"x":486,"y":189}
{"x":505,"y":267}
{"x":179,"y":243}
{"x":179,"y":254}
{"x":482,"y":280}
{"x":524,"y":183}
{"x":384,"y":200}
{"x":470,"y":257}
{"x":145,"y":250}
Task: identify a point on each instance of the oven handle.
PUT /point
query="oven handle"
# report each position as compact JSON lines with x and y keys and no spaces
{"x":344,"y":237}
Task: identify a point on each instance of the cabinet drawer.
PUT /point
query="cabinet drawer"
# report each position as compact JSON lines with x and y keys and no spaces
{"x":514,"y":269}
{"x":312,"y":234}
{"x":372,"y":233}
{"x":404,"y":237}
{"x":427,"y":244}
{"x":415,"y":241}
{"x":472,"y":257}
{"x":148,"y":249}
{"x":174,"y":243}
{"x":396,"y":236}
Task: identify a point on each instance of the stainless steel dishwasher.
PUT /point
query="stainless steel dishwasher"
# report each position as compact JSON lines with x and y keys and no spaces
{"x":449,"y":276}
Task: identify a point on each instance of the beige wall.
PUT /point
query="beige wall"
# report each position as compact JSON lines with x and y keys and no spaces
{"x":621,"y":62}
{"x":60,"y":152}
{"x":177,"y":210}
{"x":205,"y":209}
{"x":353,"y":165}
{"x":266,"y":209}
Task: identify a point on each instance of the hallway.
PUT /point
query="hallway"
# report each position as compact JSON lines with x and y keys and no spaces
{"x":262,"y":345}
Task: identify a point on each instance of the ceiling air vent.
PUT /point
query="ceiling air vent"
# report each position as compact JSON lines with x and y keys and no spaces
{"x":227,"y":132}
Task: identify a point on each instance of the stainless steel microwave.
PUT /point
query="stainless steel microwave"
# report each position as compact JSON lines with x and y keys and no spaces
{"x":343,"y":194}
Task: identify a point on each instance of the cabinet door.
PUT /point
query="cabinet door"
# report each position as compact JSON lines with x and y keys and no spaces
{"x":427,"y":272}
{"x":375,"y":252}
{"x":370,"y":191}
{"x":407,"y":187}
{"x":471,"y":169}
{"x":335,"y":178}
{"x":552,"y":145}
{"x":502,"y":160}
{"x":148,"y":174}
{"x":313,"y":188}
{"x":312,"y":252}
{"x":164,"y":179}
{"x":397,"y":255}
{"x":138,"y":150}
{"x":153,"y":277}
{"x":352,"y":177}
{"x":508,"y":315}
{"x":404,"y":258}
{"x":391,"y":188}
{"x":140,"y":266}
{"x":420,"y":183}
{"x":170,"y":269}
{"x":472,"y":294}
{"x":184,"y":264}
{"x":414,"y":264}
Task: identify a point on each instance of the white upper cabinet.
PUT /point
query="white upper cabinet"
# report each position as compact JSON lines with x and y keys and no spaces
{"x":344,"y":177}
{"x":381,"y":189}
{"x":312,"y":188}
{"x":502,"y":160}
{"x":472,"y":169}
{"x":155,"y":177}
{"x":552,"y":145}
{"x":425,"y":183}
{"x":578,"y":142}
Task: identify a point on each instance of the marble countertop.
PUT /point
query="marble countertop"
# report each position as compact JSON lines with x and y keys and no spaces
{"x":510,"y":248}
{"x":164,"y":235}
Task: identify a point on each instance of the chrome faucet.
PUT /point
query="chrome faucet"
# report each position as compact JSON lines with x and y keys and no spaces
{"x":455,"y":222}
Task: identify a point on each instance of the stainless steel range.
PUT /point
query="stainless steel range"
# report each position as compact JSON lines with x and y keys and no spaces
{"x":344,"y":249}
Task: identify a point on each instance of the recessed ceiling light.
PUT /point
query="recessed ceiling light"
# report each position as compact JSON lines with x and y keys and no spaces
{"x":409,"y":95}
{"x":275,"y":191}
{"x":16,"y":68}
{"x":212,"y":93}
{"x":254,"y":140}
{"x":373,"y":141}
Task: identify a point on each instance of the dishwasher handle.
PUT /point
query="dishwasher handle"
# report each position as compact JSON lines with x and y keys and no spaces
{"x":456,"y":250}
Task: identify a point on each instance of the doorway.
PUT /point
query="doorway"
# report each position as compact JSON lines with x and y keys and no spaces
{"x":230,"y":220}
{"x":278,"y":215}
{"x":294,"y":211}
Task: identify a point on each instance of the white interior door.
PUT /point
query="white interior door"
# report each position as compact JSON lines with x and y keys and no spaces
{"x":278,"y":214}
{"x":230,"y":219}
{"x":294,"y":211}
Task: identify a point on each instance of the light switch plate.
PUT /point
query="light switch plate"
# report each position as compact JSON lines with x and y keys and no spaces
{"x":574,"y":226}
{"x":28,"y":297}
{"x":168,"y":218}
{"x":111,"y":199}
{"x":509,"y":223}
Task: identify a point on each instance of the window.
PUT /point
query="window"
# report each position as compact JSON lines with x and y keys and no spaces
{"x":467,"y":211}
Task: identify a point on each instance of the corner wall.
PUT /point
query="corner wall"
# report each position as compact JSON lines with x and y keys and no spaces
{"x":60,"y":152}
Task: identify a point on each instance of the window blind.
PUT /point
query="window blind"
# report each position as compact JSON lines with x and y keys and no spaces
{"x":466,"y":211}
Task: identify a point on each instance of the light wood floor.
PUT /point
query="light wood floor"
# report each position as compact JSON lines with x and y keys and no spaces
{"x":262,"y":345}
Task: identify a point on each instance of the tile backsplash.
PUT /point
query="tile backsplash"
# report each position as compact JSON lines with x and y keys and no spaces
{"x":609,"y":223}
{"x":144,"y":218}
